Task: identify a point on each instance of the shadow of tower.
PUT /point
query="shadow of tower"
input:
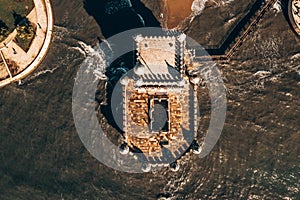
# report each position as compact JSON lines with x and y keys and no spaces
{"x":113,"y":17}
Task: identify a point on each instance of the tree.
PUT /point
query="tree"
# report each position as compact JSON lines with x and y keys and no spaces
{"x":25,"y":31}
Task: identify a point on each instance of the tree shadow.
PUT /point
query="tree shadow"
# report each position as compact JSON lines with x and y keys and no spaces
{"x":4,"y":30}
{"x":19,"y":19}
{"x":3,"y":24}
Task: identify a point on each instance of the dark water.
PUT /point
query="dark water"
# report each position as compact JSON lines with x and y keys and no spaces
{"x":257,"y":156}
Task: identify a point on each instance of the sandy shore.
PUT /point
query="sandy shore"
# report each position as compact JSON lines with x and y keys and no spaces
{"x":177,"y":11}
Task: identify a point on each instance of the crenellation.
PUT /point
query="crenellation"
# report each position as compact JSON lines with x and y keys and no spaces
{"x":161,"y":86}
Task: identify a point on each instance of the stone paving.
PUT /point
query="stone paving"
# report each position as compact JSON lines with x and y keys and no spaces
{"x":42,"y":18}
{"x":295,"y":14}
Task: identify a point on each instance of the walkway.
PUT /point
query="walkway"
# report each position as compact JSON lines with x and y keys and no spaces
{"x":228,"y":49}
{"x":27,"y":62}
{"x":294,"y":14}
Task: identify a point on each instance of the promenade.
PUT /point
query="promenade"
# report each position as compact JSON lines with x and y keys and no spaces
{"x":10,"y":52}
{"x":237,"y":37}
{"x":294,"y":15}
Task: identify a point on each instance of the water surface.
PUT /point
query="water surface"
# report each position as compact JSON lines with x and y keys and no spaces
{"x":256,"y":157}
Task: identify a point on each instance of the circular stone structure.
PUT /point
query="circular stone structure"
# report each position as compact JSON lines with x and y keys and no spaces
{"x":294,"y":14}
{"x":16,"y":62}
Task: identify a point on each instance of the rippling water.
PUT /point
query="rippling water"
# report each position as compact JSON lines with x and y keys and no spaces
{"x":257,"y":156}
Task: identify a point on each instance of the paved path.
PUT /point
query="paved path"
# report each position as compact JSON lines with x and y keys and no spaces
{"x":294,"y":14}
{"x":42,"y":17}
{"x":242,"y":36}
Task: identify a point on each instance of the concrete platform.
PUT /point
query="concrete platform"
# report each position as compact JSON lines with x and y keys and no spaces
{"x":41,"y":17}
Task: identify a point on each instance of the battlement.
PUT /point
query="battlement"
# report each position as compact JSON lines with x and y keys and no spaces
{"x":159,"y":101}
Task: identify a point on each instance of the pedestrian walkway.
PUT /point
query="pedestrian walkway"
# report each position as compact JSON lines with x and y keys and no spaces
{"x":42,"y":18}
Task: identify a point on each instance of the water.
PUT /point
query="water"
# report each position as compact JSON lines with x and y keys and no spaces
{"x":177,"y":11}
{"x":256,"y":157}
